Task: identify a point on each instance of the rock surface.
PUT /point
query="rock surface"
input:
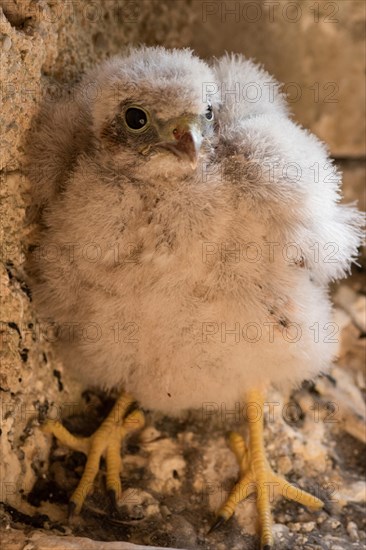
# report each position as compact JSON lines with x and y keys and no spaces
{"x":315,"y":49}
{"x":17,"y":540}
{"x":178,"y":472}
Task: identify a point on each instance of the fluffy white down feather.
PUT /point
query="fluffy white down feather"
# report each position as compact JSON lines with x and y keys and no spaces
{"x":135,"y":254}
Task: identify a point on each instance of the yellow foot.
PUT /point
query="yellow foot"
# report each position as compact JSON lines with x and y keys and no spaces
{"x":256,"y":476}
{"x":106,"y":441}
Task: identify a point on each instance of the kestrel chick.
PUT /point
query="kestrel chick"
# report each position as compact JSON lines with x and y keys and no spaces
{"x":196,"y":231}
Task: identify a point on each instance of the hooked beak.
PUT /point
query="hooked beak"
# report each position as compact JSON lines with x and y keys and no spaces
{"x":186,"y":142}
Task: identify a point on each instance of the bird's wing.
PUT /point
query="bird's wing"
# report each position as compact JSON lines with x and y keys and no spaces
{"x":59,"y":134}
{"x":283,"y":171}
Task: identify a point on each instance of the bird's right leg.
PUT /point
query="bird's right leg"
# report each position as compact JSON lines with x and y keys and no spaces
{"x":256,"y":476}
{"x":106,"y":441}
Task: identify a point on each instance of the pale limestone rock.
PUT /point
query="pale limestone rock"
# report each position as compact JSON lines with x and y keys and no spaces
{"x":164,"y":461}
{"x":355,"y":492}
{"x":315,"y":49}
{"x":354,"y":177}
{"x":309,"y":526}
{"x":15,"y":540}
{"x":358,"y":312}
{"x":28,"y":362}
{"x":352,"y":531}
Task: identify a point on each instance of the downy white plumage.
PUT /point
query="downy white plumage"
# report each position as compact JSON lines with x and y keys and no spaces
{"x":186,"y":280}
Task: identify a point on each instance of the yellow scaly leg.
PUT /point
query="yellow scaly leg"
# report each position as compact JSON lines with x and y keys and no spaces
{"x":257,"y":476}
{"x":106,"y":441}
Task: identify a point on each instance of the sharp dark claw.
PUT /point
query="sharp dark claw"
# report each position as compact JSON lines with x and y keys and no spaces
{"x":131,"y":407}
{"x":220,"y":520}
{"x":113,"y":498}
{"x":71,"y":509}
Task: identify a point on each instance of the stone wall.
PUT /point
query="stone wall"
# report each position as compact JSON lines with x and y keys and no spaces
{"x":316,"y":49}
{"x":320,"y":57}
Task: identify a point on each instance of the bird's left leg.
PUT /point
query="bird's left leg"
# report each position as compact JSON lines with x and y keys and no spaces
{"x":256,"y":475}
{"x":106,"y":441}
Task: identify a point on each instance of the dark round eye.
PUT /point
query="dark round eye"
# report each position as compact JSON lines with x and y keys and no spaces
{"x":209,"y":113}
{"x":136,"y":118}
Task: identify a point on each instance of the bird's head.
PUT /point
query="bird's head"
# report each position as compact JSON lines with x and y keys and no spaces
{"x":151,"y":112}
